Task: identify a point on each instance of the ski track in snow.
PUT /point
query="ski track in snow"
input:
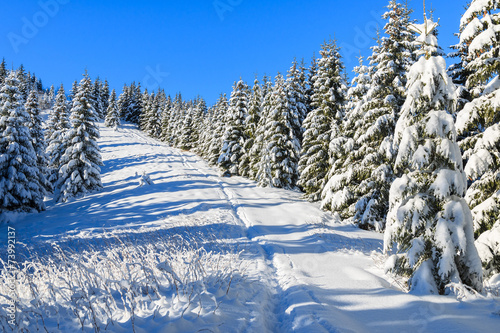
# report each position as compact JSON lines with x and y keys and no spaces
{"x":320,"y":275}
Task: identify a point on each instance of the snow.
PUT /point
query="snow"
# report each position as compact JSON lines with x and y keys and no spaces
{"x":293,"y":266}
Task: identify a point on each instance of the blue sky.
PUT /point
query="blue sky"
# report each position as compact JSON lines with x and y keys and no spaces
{"x":195,"y":47}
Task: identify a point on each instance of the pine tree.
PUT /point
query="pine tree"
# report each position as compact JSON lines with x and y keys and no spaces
{"x":57,"y":128}
{"x":327,"y":100}
{"x":278,"y":167}
{"x":37,"y":139}
{"x":74,"y":89}
{"x":80,"y":165}
{"x":20,"y":179}
{"x":112,"y":116}
{"x":234,"y":135}
{"x":429,"y":225}
{"x":24,"y":88}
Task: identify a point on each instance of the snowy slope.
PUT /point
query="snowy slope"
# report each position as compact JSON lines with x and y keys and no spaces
{"x":291,"y":266}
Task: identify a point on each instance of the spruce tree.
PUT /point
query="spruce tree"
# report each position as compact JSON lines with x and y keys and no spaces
{"x":21,"y":182}
{"x":251,"y":124}
{"x":56,"y":134}
{"x":257,"y":151}
{"x":234,"y":134}
{"x":3,"y":72}
{"x":216,"y":140}
{"x":80,"y":169}
{"x":327,"y":99}
{"x":112,"y":116}
{"x":37,"y":138}
{"x":105,"y":95}
{"x":361,"y":177}
{"x":429,"y":225}
{"x":478,"y":123}
{"x":278,"y":166}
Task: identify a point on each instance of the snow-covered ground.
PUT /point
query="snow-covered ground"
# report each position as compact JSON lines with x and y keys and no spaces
{"x":191,"y":251}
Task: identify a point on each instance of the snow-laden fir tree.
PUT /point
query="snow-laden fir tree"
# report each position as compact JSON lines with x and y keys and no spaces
{"x":429,"y":228}
{"x":105,"y":96}
{"x":340,"y":192}
{"x":112,"y":115}
{"x":186,"y":136}
{"x":251,"y":124}
{"x":96,"y":95}
{"x":296,"y":87}
{"x":21,"y":184}
{"x":362,"y":173}
{"x":216,"y":140}
{"x":257,"y":151}
{"x":80,"y":171}
{"x":3,"y":71}
{"x":37,"y":138}
{"x":279,"y":162}
{"x":328,"y":102}
{"x":56,"y":133}
{"x":166,"y":115}
{"x":234,"y":134}
{"x":478,"y":124}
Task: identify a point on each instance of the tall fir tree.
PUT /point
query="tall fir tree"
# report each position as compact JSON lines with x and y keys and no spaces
{"x":478,"y":124}
{"x":37,"y":139}
{"x":112,"y":115}
{"x":327,"y":99}
{"x":80,"y":169}
{"x":362,"y":175}
{"x":21,"y":188}
{"x":278,"y":166}
{"x":56,"y":134}
{"x":3,"y":71}
{"x":234,"y":134}
{"x":429,"y":225}
{"x":251,"y":124}
{"x":216,"y":140}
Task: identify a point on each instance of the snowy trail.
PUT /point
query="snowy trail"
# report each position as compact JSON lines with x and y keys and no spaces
{"x":320,"y":276}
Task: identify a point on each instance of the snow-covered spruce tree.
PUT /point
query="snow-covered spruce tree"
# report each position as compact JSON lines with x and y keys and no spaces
{"x":328,"y":102}
{"x":257,"y":151}
{"x":112,"y":116}
{"x":251,"y":124}
{"x":362,"y":175}
{"x":23,"y":85}
{"x":21,"y":188}
{"x":58,"y":126}
{"x":80,"y":169}
{"x":429,"y":228}
{"x":279,"y":163}
{"x":234,"y":134}
{"x":340,"y":192}
{"x":74,"y":89}
{"x":295,"y":87}
{"x":3,"y":71}
{"x":478,"y":124}
{"x":105,"y":96}
{"x":216,"y":140}
{"x":38,"y":139}
{"x":146,"y":110}
{"x":96,"y":95}
{"x":166,"y":115}
{"x":186,"y":137}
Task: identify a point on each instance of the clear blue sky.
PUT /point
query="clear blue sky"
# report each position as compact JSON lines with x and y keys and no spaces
{"x":197,"y":46}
